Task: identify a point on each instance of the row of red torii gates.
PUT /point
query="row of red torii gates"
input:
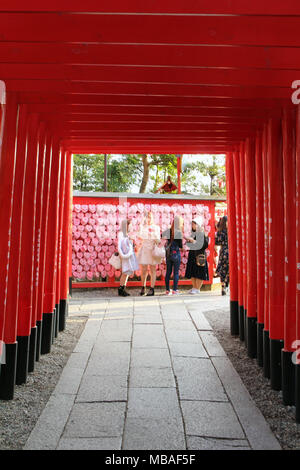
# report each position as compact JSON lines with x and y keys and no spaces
{"x":151,"y":77}
{"x":263,"y":176}
{"x":35,"y":220}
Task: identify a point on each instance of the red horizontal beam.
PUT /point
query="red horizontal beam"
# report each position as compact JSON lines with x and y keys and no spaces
{"x":236,"y":7}
{"x":136,"y":127}
{"x":135,"y":74}
{"x":190,"y":149}
{"x":149,"y":111}
{"x":56,"y":98}
{"x":79,"y":117}
{"x":147,"y":89}
{"x":142,"y":54}
{"x":163,"y":75}
{"x":169,"y":29}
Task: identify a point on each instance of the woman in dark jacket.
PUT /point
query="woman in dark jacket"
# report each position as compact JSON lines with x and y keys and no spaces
{"x":221,"y":239}
{"x":197,"y":268}
{"x":173,"y":257}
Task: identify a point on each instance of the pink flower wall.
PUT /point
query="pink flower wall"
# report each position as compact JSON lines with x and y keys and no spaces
{"x":95,"y":229}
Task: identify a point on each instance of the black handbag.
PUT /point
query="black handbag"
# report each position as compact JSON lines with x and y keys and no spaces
{"x":201,"y":260}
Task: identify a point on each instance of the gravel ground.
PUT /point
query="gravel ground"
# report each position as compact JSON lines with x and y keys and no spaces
{"x":18,"y":416}
{"x":281,"y":418}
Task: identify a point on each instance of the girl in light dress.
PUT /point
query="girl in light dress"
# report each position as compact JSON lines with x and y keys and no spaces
{"x":129,"y":262}
{"x":149,"y":235}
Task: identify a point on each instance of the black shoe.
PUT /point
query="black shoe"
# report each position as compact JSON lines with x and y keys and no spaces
{"x":142,"y":291}
{"x":122,"y":292}
{"x":150,"y":292}
{"x":223,"y":292}
{"x":126,"y":293}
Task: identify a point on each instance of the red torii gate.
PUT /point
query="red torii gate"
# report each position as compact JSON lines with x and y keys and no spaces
{"x":138,"y":77}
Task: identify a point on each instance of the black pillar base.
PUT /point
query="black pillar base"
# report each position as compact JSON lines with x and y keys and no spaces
{"x":251,"y":336}
{"x":288,"y":378}
{"x":260,"y":347}
{"x":39,"y":325}
{"x":55,"y":326}
{"x":241,"y":323}
{"x":245,"y":326}
{"x":22,"y":359}
{"x":8,"y":372}
{"x":234,"y":317}
{"x":70,"y":286}
{"x":63,"y":311}
{"x":47,"y":332}
{"x":32,"y":349}
{"x":297,"y":392}
{"x":276,"y":346}
{"x":266,"y":354}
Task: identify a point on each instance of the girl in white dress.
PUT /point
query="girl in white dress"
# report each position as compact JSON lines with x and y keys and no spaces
{"x":149,"y":234}
{"x":129,"y":263}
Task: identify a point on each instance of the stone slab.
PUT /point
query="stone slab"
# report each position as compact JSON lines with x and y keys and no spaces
{"x":96,"y":420}
{"x":211,"y":344}
{"x":188,"y":349}
{"x":148,"y":336}
{"x":153,"y":403}
{"x":102,"y":388}
{"x":183,"y":336}
{"x":149,"y":377}
{"x":200,"y":321}
{"x":211,"y":419}
{"x":198,"y":380}
{"x":104,"y":443}
{"x":149,"y":357}
{"x":51,"y":423}
{"x":257,"y":429}
{"x":208,"y":443}
{"x":150,"y":434}
{"x":181,"y":325}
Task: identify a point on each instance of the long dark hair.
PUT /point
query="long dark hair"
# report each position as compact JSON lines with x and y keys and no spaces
{"x":222,"y":224}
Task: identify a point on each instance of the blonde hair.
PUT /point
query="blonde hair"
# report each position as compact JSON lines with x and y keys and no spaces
{"x":146,"y":215}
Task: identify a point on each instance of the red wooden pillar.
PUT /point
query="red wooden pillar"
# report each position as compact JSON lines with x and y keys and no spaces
{"x":27,"y":251}
{"x":66,"y":223}
{"x":232,"y":244}
{"x":51,"y":251}
{"x":243,"y":235}
{"x":44,"y":225}
{"x":260,"y":245}
{"x":276,"y":253}
{"x":8,"y":371}
{"x":70,"y":233}
{"x":237,"y":183}
{"x":8,"y":139}
{"x":266,"y":339}
{"x":59,"y":248}
{"x":289,"y":180}
{"x":250,"y":209}
{"x":38,"y":220}
{"x":297,"y":343}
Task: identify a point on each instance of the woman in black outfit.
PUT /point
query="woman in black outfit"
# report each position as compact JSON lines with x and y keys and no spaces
{"x":197,"y":268}
{"x":173,"y":256}
{"x":223,"y":263}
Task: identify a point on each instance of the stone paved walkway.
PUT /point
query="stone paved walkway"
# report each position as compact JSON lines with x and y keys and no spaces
{"x":149,"y":373}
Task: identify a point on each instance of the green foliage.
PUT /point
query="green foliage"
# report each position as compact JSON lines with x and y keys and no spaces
{"x":213,"y":168}
{"x":148,"y":172}
{"x":122,"y":172}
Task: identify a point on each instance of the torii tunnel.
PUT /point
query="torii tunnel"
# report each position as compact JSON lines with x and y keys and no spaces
{"x":139,"y":76}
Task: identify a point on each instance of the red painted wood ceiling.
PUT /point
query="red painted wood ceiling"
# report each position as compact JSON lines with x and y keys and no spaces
{"x":151,"y":76}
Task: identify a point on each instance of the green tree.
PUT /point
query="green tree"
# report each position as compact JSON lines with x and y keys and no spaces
{"x":122,"y":172}
{"x":214,"y":168}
